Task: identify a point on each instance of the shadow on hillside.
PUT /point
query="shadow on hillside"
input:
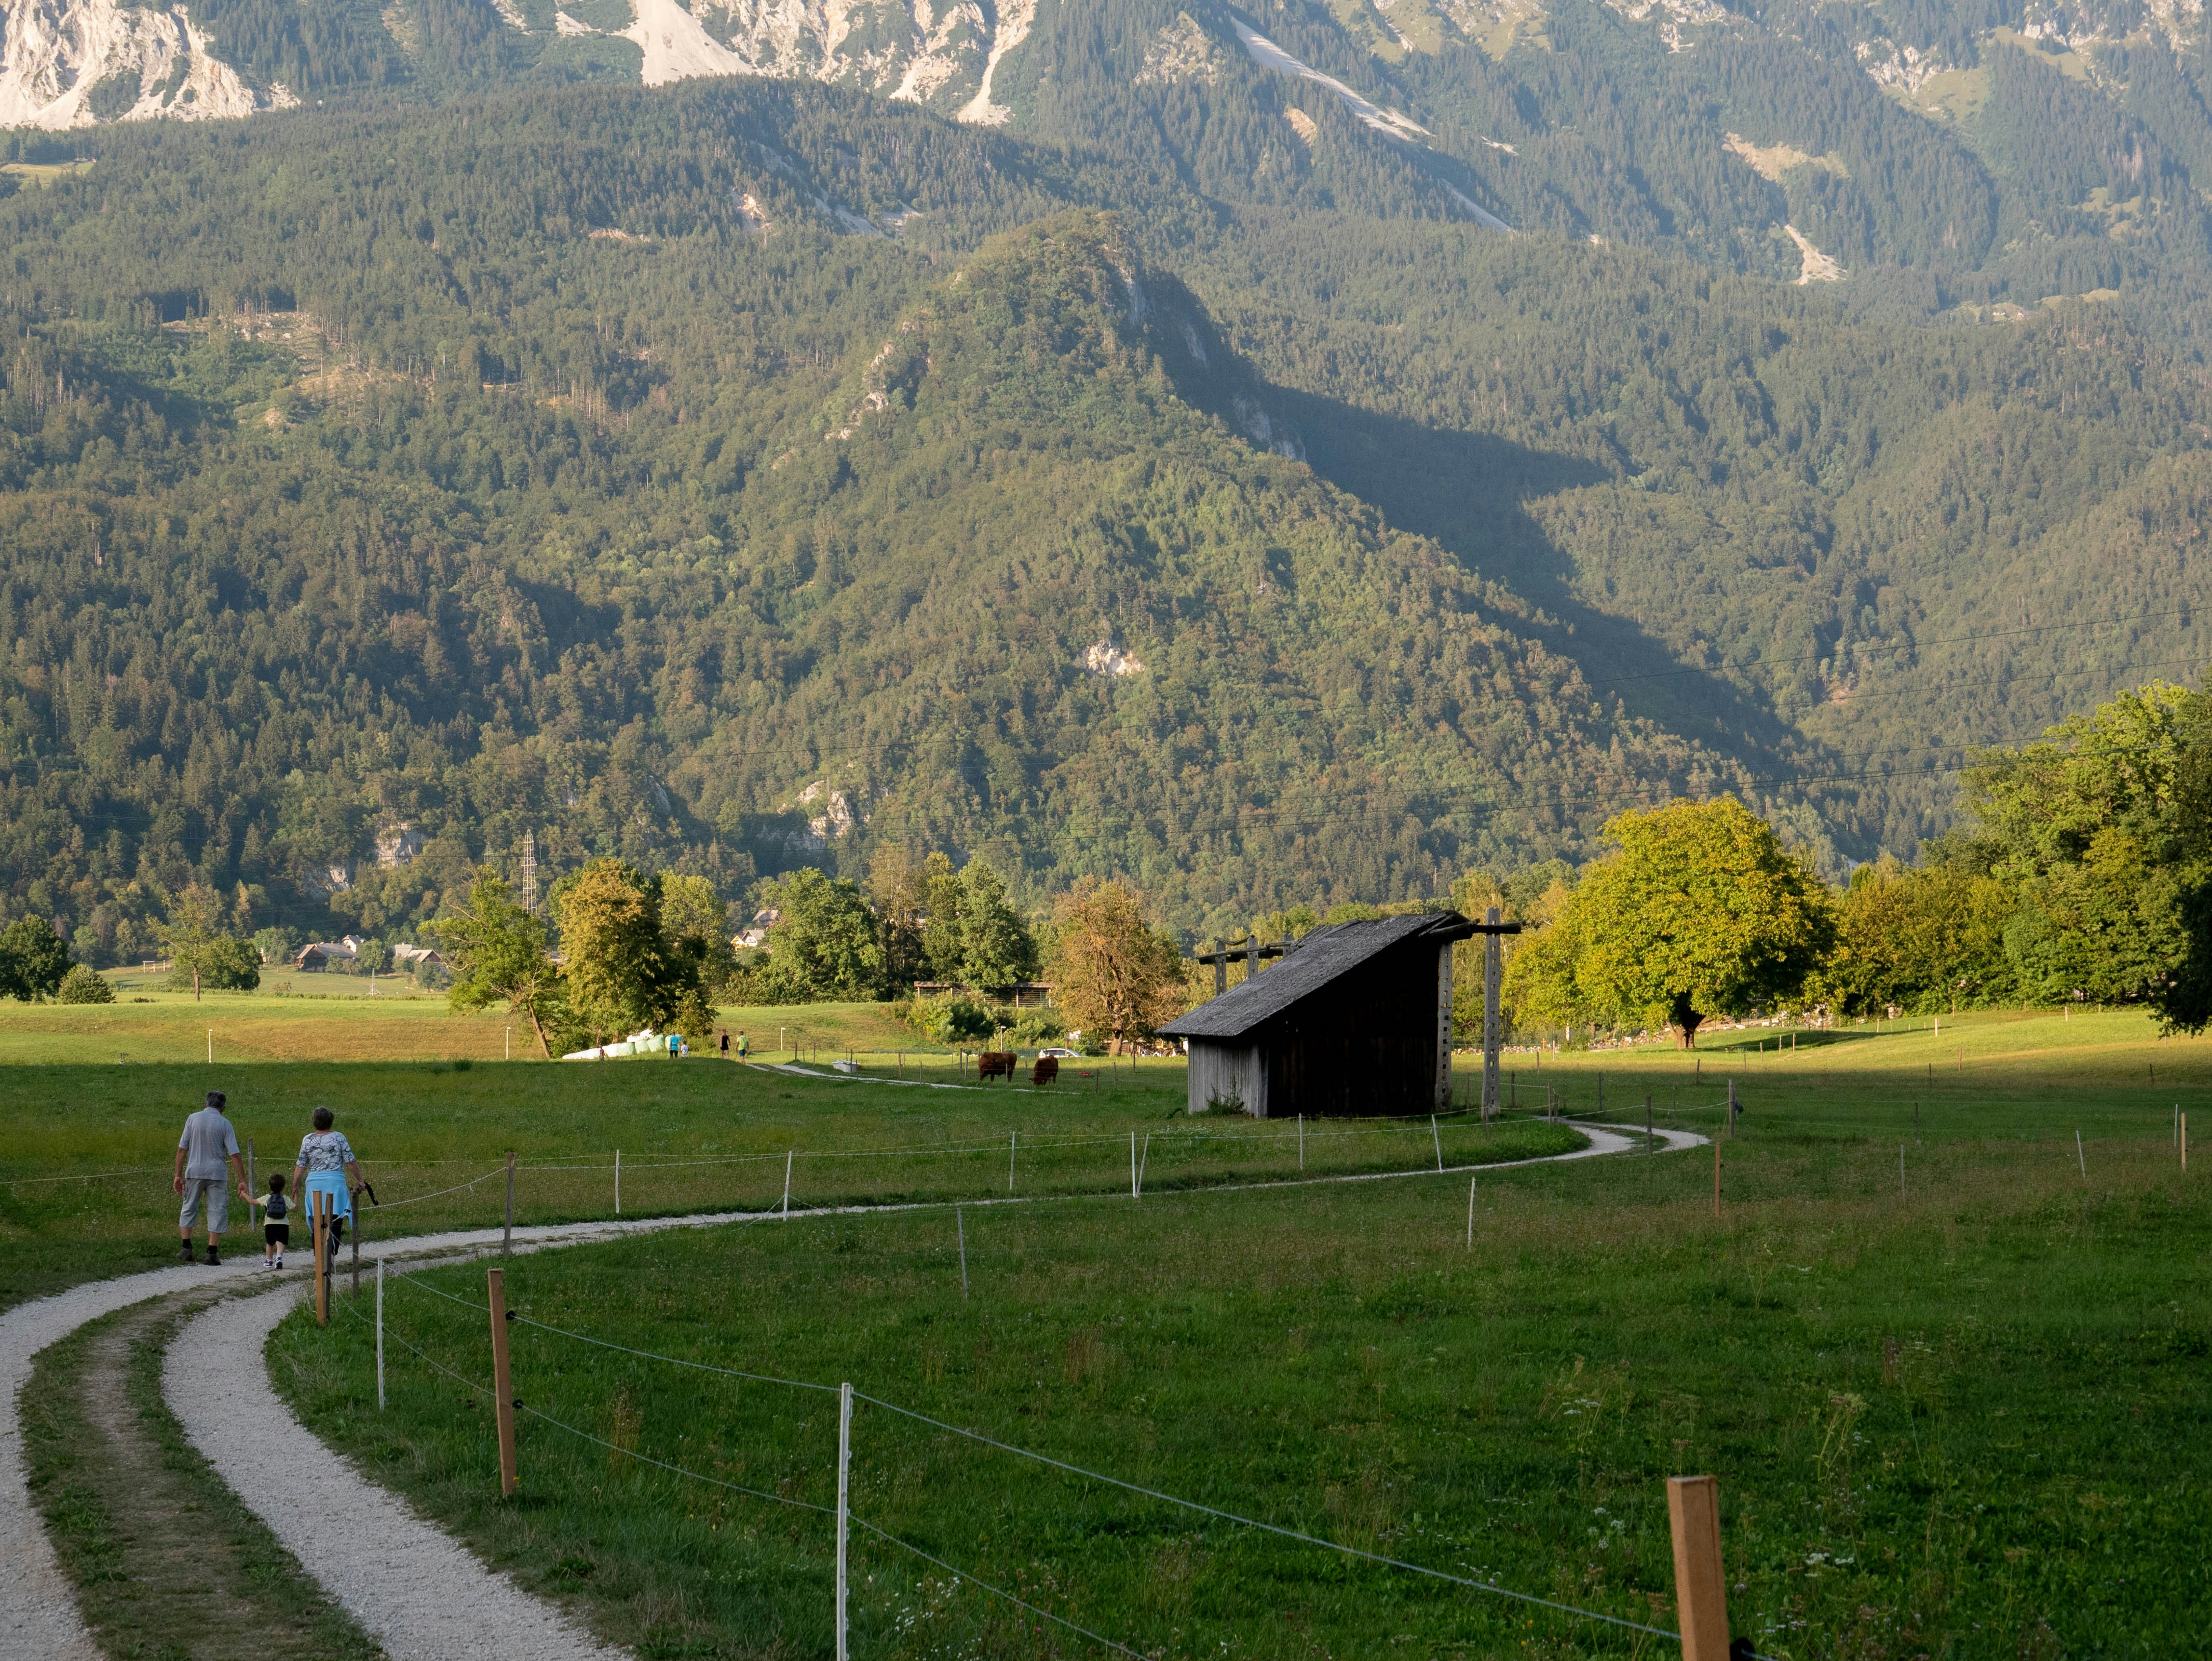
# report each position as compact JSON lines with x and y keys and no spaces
{"x":1468,"y":491}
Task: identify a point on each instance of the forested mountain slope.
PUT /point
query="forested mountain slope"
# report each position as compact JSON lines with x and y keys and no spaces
{"x":766,"y":544}
{"x":1180,"y":478}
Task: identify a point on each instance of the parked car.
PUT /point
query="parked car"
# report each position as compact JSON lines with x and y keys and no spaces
{"x":1061,"y":1053}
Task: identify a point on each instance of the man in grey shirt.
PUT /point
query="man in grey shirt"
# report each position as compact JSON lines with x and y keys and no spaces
{"x":207,"y":1145}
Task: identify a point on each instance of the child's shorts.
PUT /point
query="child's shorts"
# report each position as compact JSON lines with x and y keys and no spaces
{"x":277,"y":1233}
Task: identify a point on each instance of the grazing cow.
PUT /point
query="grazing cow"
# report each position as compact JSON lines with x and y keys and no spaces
{"x":1045,"y":1071}
{"x":991,"y":1063}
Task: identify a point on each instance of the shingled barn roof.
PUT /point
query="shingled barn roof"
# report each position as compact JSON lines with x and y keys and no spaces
{"x":1321,"y":958}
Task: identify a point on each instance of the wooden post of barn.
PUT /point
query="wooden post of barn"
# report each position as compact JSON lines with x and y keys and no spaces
{"x":1493,"y":960}
{"x":1693,"y":1510}
{"x":502,"y":1381}
{"x":1443,"y":1102}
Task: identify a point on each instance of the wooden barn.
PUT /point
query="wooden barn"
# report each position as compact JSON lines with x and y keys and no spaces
{"x":1355,"y":1018}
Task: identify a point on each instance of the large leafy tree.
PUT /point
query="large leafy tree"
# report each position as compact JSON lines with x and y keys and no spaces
{"x":499,"y":957}
{"x":1699,"y":910}
{"x":1116,"y":976}
{"x":33,"y":959}
{"x":622,"y":971}
{"x":1924,"y":941}
{"x":825,"y":943}
{"x":2100,"y":830}
{"x":971,"y":935}
{"x":204,"y":954}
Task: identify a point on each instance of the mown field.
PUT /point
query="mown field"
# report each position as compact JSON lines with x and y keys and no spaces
{"x":86,"y":1152}
{"x":335,"y":1018}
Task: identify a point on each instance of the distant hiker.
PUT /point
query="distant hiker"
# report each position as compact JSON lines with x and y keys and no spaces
{"x":726,"y":1046}
{"x":745,"y":1048}
{"x":327,"y":1164}
{"x":275,"y":1231}
{"x":208,"y":1144}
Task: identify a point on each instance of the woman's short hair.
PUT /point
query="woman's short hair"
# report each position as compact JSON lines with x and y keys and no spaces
{"x":325,"y":1118}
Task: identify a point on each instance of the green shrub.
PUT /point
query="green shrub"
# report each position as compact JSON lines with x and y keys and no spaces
{"x":955,"y":1020}
{"x":81,"y":985}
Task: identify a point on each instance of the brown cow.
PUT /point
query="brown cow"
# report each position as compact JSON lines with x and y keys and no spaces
{"x":991,"y":1063}
{"x":1045,"y":1071}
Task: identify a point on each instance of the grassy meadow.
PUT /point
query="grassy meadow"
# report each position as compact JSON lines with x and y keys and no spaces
{"x":1954,"y":1397}
{"x":1960,"y":1420}
{"x":85,"y":1152}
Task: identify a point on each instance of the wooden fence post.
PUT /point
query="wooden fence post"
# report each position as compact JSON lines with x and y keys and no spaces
{"x":502,"y":1381}
{"x":1694,"y":1510}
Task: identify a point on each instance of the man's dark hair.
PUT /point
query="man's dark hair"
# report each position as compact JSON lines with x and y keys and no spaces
{"x":324,"y":1118}
{"x":215,"y":1098}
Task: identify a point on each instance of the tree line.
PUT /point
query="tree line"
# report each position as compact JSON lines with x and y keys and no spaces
{"x":2083,"y":875}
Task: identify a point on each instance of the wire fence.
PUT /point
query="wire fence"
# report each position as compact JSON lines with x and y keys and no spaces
{"x":843,"y":1516}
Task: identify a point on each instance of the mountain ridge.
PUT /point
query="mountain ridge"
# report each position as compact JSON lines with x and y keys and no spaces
{"x":616,"y":464}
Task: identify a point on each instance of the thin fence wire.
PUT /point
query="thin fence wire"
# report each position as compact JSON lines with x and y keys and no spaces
{"x":995,"y":1592}
{"x":695,"y":1476}
{"x":418,"y":1199}
{"x":673,"y":1360}
{"x":1041,"y":1458}
{"x":1270,"y":1528}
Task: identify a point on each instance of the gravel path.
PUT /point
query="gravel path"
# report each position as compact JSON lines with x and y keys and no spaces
{"x":421,"y":1595}
{"x":38,"y":1607}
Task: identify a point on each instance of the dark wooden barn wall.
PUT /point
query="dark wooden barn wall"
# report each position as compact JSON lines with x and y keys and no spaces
{"x":1366,"y":1045}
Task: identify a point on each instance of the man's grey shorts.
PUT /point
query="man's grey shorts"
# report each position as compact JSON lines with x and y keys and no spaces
{"x":212,"y":1191}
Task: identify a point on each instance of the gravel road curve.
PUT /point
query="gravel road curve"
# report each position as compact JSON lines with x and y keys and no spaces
{"x":38,"y":1607}
{"x":421,"y":1594}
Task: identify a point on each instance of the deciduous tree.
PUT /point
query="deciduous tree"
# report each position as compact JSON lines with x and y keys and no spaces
{"x":1116,"y":976}
{"x":33,"y":959}
{"x":204,"y":954}
{"x":498,"y":954}
{"x":1698,"y":910}
{"x":622,"y":973}
{"x":825,"y":943}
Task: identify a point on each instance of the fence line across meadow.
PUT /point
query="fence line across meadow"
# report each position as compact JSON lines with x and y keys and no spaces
{"x":844,"y":1518}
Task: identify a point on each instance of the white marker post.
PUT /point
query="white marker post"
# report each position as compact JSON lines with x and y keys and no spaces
{"x":618,"y":1182}
{"x":787,"y":1158}
{"x":1302,"y":1141}
{"x":960,"y":1223}
{"x":1132,"y":1166}
{"x":1142,"y":1160}
{"x":1012,"y":1137}
{"x":2080,"y":1155}
{"x":380,"y":1335}
{"x":1437,"y":1136}
{"x":844,"y":1504}
{"x":1470,"y":1214}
